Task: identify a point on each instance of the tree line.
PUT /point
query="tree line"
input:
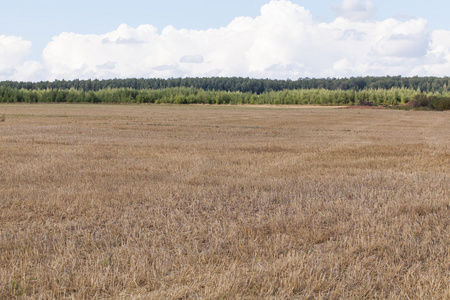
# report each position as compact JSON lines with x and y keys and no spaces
{"x":244,"y":85}
{"x":184,"y":95}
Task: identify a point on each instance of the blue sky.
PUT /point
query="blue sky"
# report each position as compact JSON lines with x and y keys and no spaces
{"x":34,"y":35}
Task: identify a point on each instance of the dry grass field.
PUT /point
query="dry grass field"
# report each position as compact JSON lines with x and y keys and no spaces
{"x":223,"y":202}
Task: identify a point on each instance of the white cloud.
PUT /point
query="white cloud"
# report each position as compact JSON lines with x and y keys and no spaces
{"x":13,"y":50}
{"x":283,"y":42}
{"x":29,"y":71}
{"x":355,"y":10}
{"x":437,"y":60}
{"x":405,"y":39}
{"x":192,"y":59}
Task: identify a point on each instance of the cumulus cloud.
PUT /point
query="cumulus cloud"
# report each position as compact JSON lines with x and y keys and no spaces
{"x":192,"y":59}
{"x":282,"y":42}
{"x":355,"y":10}
{"x":437,"y":59}
{"x":270,"y":45}
{"x":29,"y":71}
{"x":13,"y":50}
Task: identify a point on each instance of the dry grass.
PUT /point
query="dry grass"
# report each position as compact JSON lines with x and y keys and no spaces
{"x":174,"y":202}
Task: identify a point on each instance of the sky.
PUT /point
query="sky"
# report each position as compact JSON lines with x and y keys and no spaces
{"x":279,"y":39}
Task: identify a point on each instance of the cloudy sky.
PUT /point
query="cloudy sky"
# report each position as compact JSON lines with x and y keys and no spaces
{"x":54,"y":39}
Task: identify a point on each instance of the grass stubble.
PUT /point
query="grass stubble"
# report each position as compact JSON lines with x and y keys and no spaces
{"x":186,"y":202}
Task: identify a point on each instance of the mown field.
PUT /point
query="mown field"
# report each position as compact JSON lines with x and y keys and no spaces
{"x":223,"y":202}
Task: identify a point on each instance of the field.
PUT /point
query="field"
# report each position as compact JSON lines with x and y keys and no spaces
{"x":223,"y":202}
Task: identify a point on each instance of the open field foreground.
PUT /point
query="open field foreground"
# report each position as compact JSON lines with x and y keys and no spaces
{"x":223,"y":202}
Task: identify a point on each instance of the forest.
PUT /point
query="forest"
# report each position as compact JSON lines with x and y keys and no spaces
{"x":244,"y":85}
{"x":429,"y":92}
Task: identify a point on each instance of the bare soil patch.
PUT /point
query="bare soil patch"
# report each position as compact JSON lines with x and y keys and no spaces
{"x":363,"y":107}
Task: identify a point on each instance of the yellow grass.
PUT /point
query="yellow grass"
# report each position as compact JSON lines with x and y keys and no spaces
{"x":223,"y":202}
